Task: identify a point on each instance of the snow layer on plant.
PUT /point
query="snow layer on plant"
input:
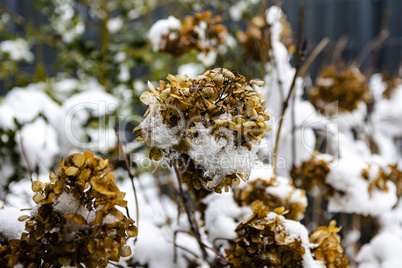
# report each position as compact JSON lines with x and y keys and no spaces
{"x":161,"y":29}
{"x":154,"y":244}
{"x":383,"y":251}
{"x":10,"y":226}
{"x":385,"y":121}
{"x":24,"y":104}
{"x":17,"y":49}
{"x":347,"y":177}
{"x":222,"y":216}
{"x":161,"y":135}
{"x":220,"y":157}
{"x":282,"y":187}
{"x":66,"y":203}
{"x":298,"y":231}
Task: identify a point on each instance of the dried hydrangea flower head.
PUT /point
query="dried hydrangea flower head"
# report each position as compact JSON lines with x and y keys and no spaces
{"x":345,"y":85}
{"x":312,"y":173}
{"x":76,"y":221}
{"x":211,"y":125}
{"x":259,"y":189}
{"x":201,"y":32}
{"x":328,"y":247}
{"x":256,"y":41}
{"x":264,"y":241}
{"x":392,"y":82}
{"x":382,"y":177}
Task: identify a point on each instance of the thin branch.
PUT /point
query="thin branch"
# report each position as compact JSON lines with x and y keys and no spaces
{"x":323,"y":43}
{"x":339,"y":48}
{"x":299,"y":56}
{"x":132,"y":182}
{"x":199,"y":241}
{"x":30,"y":169}
{"x":193,"y":226}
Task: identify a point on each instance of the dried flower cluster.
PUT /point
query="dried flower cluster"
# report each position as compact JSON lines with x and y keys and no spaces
{"x":201,"y":32}
{"x":390,"y":173}
{"x":257,"y":190}
{"x":345,"y":85}
{"x":256,"y":41}
{"x":211,"y":125}
{"x":392,"y":82}
{"x":312,"y":173}
{"x":263,"y":242}
{"x":76,"y":221}
{"x":328,"y":247}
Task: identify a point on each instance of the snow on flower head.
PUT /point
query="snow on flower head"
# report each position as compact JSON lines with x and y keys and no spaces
{"x":211,"y":125}
{"x":76,"y":210}
{"x":162,"y":31}
{"x":201,"y":32}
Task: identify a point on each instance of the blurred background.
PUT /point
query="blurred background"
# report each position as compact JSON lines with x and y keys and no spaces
{"x":359,"y":21}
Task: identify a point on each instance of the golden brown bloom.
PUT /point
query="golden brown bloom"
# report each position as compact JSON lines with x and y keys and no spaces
{"x":328,"y":247}
{"x":263,"y":241}
{"x":256,"y":41}
{"x":257,"y":190}
{"x":345,"y":85}
{"x":201,"y":32}
{"x":390,"y":173}
{"x":210,"y":125}
{"x":76,"y":221}
{"x":312,"y":173}
{"x":392,"y":82}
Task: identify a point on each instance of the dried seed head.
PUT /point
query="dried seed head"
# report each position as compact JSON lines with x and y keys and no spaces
{"x":222,"y":103}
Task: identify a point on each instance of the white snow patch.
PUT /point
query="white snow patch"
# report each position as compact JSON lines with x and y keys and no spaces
{"x":10,"y":226}
{"x":163,"y":29}
{"x":17,"y":49}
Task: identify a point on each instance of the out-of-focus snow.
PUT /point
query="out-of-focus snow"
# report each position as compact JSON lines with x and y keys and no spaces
{"x":10,"y":226}
{"x":24,"y":104}
{"x":161,"y":29}
{"x":17,"y":50}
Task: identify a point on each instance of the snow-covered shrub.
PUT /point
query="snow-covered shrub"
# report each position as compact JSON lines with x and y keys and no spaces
{"x":268,"y":239}
{"x":76,"y":221}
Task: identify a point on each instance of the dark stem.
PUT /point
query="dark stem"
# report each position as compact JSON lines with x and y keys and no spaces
{"x":132,"y":182}
{"x":199,"y":241}
{"x":193,"y":226}
{"x":299,"y":58}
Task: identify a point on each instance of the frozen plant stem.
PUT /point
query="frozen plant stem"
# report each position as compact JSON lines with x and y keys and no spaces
{"x":193,"y":226}
{"x":299,"y":58}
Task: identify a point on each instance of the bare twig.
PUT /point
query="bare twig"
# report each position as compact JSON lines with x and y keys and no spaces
{"x":323,"y":43}
{"x":375,"y":44}
{"x":199,"y":241}
{"x":339,"y":48}
{"x":132,"y":181}
{"x":299,"y":56}
{"x":193,"y":226}
{"x":30,"y":169}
